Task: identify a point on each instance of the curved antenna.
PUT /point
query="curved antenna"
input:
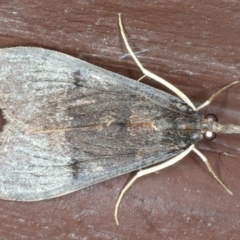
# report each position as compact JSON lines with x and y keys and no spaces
{"x":152,"y":75}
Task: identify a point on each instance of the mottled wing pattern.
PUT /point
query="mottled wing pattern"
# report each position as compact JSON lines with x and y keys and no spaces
{"x":71,"y":124}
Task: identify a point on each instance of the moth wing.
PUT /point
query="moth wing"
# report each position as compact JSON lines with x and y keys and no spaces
{"x":71,"y":124}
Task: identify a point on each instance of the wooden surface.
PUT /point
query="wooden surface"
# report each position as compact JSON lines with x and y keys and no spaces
{"x":192,"y":44}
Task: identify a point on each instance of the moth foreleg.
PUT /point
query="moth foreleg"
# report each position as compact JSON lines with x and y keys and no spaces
{"x":215,"y":95}
{"x":210,"y":169}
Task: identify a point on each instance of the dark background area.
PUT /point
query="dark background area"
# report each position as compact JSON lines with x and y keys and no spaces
{"x":193,"y":44}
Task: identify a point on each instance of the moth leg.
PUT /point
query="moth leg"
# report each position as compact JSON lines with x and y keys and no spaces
{"x":210,"y":169}
{"x":140,"y":79}
{"x":152,"y":75}
{"x":148,"y":171}
{"x":215,"y":95}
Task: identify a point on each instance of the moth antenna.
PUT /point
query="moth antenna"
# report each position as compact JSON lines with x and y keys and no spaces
{"x":215,"y":95}
{"x":148,"y":171}
{"x":152,"y":75}
{"x":210,"y":169}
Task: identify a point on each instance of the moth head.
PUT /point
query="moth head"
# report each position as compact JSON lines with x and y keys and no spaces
{"x":210,"y":128}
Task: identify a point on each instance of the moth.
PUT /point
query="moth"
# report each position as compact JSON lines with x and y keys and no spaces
{"x":70,"y":124}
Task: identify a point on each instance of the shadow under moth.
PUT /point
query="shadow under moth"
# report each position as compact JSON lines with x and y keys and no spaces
{"x":70,"y":124}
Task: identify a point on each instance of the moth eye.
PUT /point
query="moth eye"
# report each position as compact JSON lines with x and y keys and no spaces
{"x":211,"y":117}
{"x":208,"y":135}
